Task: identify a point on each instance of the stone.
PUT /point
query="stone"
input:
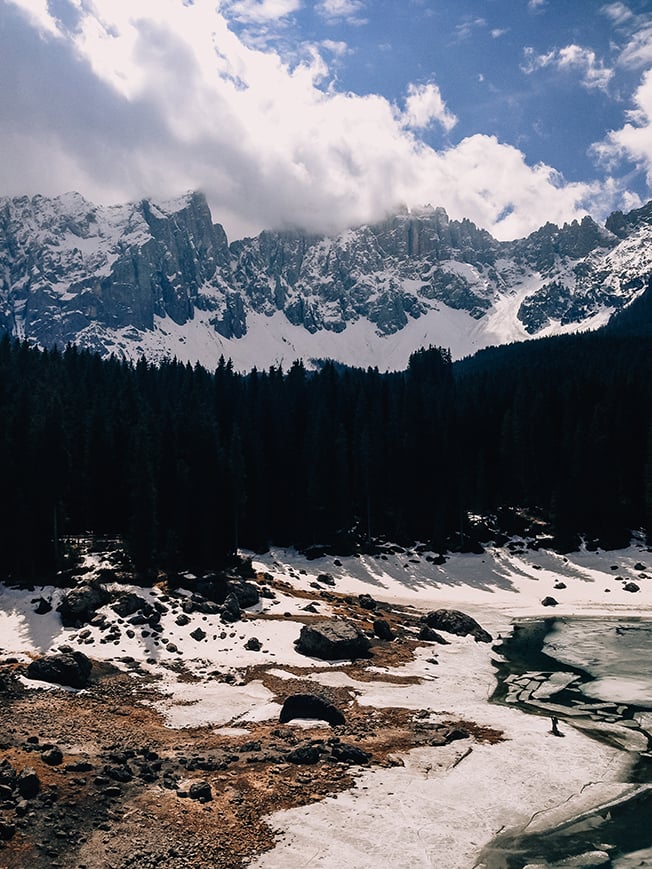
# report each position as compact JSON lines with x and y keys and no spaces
{"x":200,"y":790}
{"x":69,"y":668}
{"x":631,"y":586}
{"x":79,"y":605}
{"x":458,"y":623}
{"x":128,"y":604}
{"x":253,"y":644}
{"x":333,"y":640}
{"x":549,"y":601}
{"x":52,"y":756}
{"x":198,"y":634}
{"x":639,"y":566}
{"x":305,"y":754}
{"x":42,"y":607}
{"x":367,"y":602}
{"x":326,"y":579}
{"x":382,"y":630}
{"x":310,"y":706}
{"x":7,"y":830}
{"x":28,"y":783}
{"x":431,"y":636}
{"x":231,"y":611}
{"x":346,"y":753}
{"x":182,"y":619}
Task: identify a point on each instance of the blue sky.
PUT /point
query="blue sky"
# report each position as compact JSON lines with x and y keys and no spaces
{"x":326,"y":114}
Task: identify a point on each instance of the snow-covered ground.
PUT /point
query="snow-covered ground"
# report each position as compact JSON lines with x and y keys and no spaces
{"x":444,"y":804}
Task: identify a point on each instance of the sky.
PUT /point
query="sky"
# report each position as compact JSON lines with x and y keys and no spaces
{"x":328,"y":114}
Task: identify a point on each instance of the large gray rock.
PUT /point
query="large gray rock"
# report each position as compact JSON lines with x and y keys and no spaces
{"x":333,"y":640}
{"x":71,"y":669}
{"x":458,"y":623}
{"x":78,"y":606}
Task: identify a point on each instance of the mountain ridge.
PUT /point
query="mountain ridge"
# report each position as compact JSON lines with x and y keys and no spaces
{"x":160,"y":279}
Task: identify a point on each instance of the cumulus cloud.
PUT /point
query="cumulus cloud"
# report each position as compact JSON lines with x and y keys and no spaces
{"x":156,"y":97}
{"x":572,"y":58}
{"x":633,"y":141}
{"x":424,"y":105}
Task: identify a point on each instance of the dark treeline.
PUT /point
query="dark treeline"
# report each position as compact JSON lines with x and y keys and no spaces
{"x":187,"y":465}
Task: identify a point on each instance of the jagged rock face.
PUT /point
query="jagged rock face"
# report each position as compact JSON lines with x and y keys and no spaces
{"x":161,"y":279}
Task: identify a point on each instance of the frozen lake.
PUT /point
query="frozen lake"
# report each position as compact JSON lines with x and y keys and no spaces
{"x":595,"y":674}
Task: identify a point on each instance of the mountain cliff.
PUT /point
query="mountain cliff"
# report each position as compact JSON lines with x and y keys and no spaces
{"x":161,"y":279}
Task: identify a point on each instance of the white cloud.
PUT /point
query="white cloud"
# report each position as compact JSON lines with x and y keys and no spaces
{"x":465,"y":30}
{"x":593,"y":72}
{"x":424,"y":105}
{"x":156,"y":97}
{"x":633,"y":141}
{"x":350,"y":11}
{"x":535,"y":5}
{"x":499,"y":31}
{"x":262,"y":11}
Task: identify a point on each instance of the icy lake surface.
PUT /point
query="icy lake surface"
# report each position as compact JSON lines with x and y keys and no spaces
{"x":596,"y":674}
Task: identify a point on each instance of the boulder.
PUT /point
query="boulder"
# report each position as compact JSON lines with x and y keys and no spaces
{"x":79,"y":605}
{"x":326,"y":579}
{"x":253,"y":644}
{"x":198,"y":634}
{"x":8,"y":774}
{"x":549,"y":601}
{"x":332,"y":641}
{"x":69,"y":668}
{"x":631,"y":586}
{"x":310,"y":706}
{"x":246,"y":592}
{"x":458,"y":623}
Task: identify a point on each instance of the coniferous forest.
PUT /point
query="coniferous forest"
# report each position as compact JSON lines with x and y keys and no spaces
{"x":187,"y":465}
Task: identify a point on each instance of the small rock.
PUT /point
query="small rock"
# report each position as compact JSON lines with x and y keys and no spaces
{"x":310,"y":706}
{"x":382,"y":630}
{"x":200,"y":790}
{"x":253,"y":644}
{"x":198,"y":634}
{"x":549,"y":601}
{"x":52,"y":756}
{"x":631,"y":586}
{"x":430,"y":635}
{"x":182,"y":619}
{"x":367,"y":602}
{"x":28,"y":783}
{"x":560,"y":585}
{"x":305,"y":754}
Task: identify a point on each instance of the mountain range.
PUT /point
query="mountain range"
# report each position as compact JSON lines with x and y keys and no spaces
{"x":160,"y":279}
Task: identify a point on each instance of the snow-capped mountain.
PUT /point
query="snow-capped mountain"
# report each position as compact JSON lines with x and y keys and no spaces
{"x":160,"y":279}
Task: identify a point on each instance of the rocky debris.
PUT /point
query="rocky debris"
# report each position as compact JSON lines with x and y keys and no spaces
{"x":253,"y":644}
{"x":78,"y":606}
{"x":431,"y":636}
{"x":560,"y":585}
{"x":182,"y":619}
{"x":333,"y":640}
{"x":458,"y":623}
{"x":69,"y":668}
{"x":631,"y":586}
{"x":310,"y":706}
{"x":549,"y":601}
{"x":639,"y":566}
{"x":231,"y":611}
{"x":382,"y":630}
{"x":198,"y":634}
{"x":7,"y":830}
